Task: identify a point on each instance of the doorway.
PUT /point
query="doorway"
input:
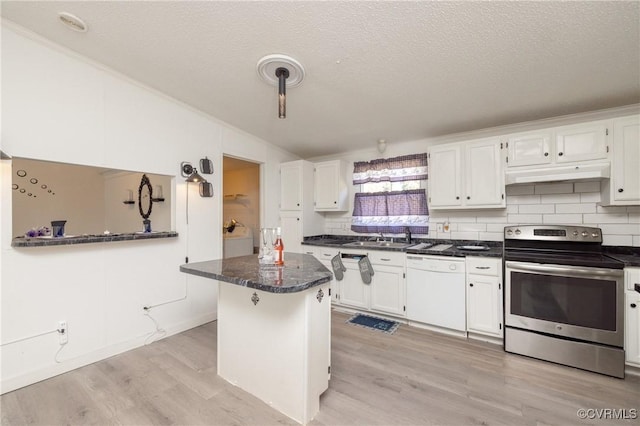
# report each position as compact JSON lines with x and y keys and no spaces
{"x":240,"y":206}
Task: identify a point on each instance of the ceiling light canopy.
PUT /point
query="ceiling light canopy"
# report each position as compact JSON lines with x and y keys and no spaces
{"x":282,"y":71}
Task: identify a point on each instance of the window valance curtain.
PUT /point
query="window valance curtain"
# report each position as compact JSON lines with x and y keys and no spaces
{"x":397,"y":169}
{"x":391,"y":212}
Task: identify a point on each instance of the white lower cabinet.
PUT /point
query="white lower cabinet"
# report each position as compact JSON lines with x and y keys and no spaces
{"x":387,"y":290}
{"x":353,"y":292}
{"x":484,"y":296}
{"x":632,"y":328}
{"x":632,"y":317}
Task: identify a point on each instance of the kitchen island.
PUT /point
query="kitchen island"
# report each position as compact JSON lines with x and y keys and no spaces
{"x":274,"y":329}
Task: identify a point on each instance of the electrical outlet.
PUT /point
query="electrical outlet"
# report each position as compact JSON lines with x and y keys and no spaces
{"x":63,"y":332}
{"x":439,"y":227}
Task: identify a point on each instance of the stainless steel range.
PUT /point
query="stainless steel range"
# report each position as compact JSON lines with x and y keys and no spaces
{"x":564,"y":299}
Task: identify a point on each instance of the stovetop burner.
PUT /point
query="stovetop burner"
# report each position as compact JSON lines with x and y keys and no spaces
{"x":557,"y":245}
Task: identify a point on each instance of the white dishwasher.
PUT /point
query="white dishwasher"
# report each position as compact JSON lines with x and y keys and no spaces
{"x":436,"y":293}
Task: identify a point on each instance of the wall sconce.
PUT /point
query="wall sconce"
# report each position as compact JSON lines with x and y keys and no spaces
{"x":129,"y":197}
{"x":192,"y":175}
{"x":206,"y":166}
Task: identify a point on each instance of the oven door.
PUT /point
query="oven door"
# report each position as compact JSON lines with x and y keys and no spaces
{"x":575,"y":302}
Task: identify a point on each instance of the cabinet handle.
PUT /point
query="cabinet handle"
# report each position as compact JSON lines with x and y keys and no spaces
{"x":560,"y":154}
{"x":620,"y":190}
{"x":297,"y":218}
{"x":470,"y":284}
{"x":308,"y":252}
{"x":483,"y":267}
{"x":457,"y":198}
{"x":386,"y":260}
{"x":633,"y":305}
{"x":327,"y":255}
{"x":546,"y":154}
{"x":468,"y":198}
{"x":298,"y":204}
{"x":335,"y":202}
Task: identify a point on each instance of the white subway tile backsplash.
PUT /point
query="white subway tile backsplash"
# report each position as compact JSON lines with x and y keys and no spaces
{"x":633,"y":209}
{"x":636,"y":240}
{"x":562,"y":219}
{"x":554,"y":188}
{"x":477,"y":227}
{"x":520,"y":190}
{"x":576,"y":208}
{"x":590,"y":197}
{"x":523,"y":199}
{"x":560,"y":198}
{"x":606,"y":218}
{"x":617,"y":240}
{"x":457,"y":235}
{"x":491,"y":236}
{"x":634,"y":218}
{"x":493,"y":219}
{"x":537,"y":208}
{"x":612,"y":209}
{"x":587,"y":186}
{"x":496,"y":227}
{"x":524,"y":218}
{"x":620,"y":229}
{"x":512,"y":208}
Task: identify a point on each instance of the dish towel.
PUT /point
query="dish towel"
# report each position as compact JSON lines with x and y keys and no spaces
{"x":338,"y":267}
{"x":366,"y":270}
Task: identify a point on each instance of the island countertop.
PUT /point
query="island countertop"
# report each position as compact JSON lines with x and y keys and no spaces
{"x":300,"y":272}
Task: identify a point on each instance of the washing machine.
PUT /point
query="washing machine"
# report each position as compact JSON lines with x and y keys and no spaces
{"x":238,"y":243}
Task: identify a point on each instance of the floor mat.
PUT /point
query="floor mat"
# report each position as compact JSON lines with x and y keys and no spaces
{"x":374,"y":323}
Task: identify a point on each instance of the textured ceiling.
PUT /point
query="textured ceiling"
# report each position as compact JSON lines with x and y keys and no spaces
{"x":394,"y":70}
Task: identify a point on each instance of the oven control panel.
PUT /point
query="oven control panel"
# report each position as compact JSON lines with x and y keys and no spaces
{"x":553,"y":233}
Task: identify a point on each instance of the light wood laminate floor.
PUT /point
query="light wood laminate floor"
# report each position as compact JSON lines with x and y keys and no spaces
{"x":412,"y":377}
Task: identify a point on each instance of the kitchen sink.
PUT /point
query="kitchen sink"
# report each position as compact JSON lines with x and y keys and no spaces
{"x":381,"y":244}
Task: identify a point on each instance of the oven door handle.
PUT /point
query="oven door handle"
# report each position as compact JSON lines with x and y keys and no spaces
{"x":562,"y":269}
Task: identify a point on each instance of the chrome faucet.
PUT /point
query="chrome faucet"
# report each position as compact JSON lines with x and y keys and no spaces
{"x":407,"y":235}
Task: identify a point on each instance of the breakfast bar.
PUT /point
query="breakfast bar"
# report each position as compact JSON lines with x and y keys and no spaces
{"x":274,"y":329}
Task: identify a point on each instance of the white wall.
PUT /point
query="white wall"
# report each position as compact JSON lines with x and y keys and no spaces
{"x":60,"y":107}
{"x":569,"y":203}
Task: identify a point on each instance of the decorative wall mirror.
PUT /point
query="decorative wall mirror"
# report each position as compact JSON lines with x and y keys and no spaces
{"x":145,"y":202}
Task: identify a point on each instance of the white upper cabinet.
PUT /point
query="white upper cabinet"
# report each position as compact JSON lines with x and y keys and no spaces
{"x":624,"y":186}
{"x":331,"y":191}
{"x":466,"y":175}
{"x":445,"y":170}
{"x":528,"y":149}
{"x":484,"y":174}
{"x":292,"y":177}
{"x":581,"y":142}
{"x":559,"y":145}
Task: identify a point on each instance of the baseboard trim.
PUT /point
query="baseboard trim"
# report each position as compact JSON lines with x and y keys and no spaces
{"x":17,"y":382}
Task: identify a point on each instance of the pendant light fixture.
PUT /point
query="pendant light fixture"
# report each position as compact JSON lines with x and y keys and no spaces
{"x":283,"y":71}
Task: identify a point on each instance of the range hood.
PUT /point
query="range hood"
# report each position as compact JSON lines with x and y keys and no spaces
{"x":559,"y":173}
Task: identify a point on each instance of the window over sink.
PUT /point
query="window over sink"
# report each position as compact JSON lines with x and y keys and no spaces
{"x":392,"y":198}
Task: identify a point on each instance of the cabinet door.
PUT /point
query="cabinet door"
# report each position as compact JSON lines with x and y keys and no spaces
{"x":353,"y":292}
{"x":388,"y":290}
{"x":445,"y":189}
{"x":291,"y":187}
{"x":484,"y":184}
{"x":581,"y":142}
{"x":626,"y":159}
{"x":326,"y":186}
{"x":291,"y":232}
{"x":528,"y":149}
{"x":483,"y":305}
{"x":632,"y":327}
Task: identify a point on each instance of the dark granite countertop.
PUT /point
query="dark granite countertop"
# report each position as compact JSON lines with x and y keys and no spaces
{"x":494,"y":248}
{"x":630,"y":256}
{"x":300,"y":272}
{"x":85,"y":239}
